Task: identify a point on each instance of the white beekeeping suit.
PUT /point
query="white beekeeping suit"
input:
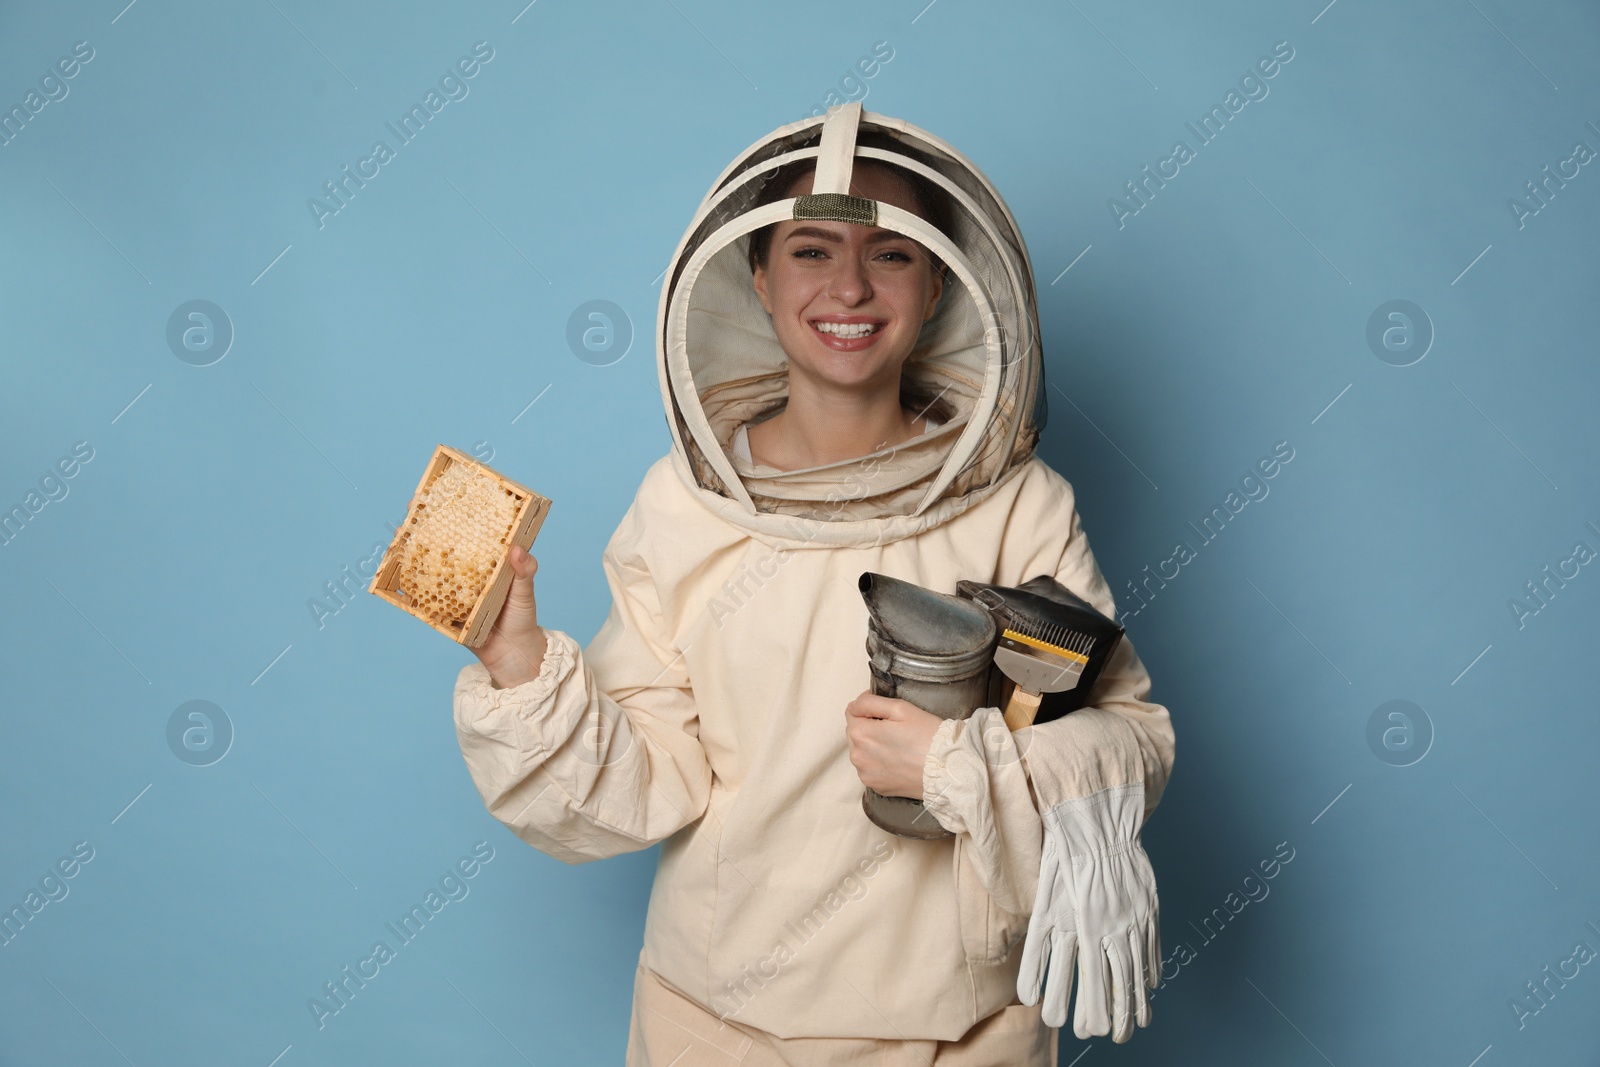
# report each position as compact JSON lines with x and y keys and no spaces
{"x":707,"y":712}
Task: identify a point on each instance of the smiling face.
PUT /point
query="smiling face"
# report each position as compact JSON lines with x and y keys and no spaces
{"x":848,"y":301}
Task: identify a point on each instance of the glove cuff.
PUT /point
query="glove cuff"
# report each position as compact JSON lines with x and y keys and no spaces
{"x":1101,"y":824}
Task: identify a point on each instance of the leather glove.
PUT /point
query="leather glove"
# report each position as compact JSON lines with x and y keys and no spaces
{"x":1096,"y":901}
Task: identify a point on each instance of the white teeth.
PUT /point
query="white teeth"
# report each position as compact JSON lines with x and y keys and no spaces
{"x":846,"y":329}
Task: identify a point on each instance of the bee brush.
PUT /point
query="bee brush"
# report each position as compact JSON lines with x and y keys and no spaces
{"x":1039,"y":657}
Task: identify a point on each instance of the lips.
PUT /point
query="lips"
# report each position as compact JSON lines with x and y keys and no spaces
{"x":847,"y":334}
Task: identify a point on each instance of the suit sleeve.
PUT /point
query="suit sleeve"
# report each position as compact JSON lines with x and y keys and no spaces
{"x":986,"y":781}
{"x":600,"y":753}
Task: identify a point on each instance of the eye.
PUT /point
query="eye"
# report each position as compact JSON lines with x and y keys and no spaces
{"x":809,"y":252}
{"x":897,"y":256}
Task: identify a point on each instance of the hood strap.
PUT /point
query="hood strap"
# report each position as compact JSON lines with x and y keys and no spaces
{"x":836,"y":153}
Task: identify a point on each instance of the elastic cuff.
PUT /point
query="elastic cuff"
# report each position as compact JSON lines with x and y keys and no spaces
{"x":559,"y":656}
{"x":1101,"y":825}
{"x":936,"y":777}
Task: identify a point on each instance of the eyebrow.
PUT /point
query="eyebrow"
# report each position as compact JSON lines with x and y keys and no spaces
{"x":829,"y":235}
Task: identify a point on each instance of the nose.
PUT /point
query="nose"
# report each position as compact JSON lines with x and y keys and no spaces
{"x":850,"y":284}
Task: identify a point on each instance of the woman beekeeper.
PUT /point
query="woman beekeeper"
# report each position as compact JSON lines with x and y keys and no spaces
{"x":847,"y":347}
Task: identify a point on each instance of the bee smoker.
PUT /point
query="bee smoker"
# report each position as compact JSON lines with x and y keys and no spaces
{"x":1034,"y":650}
{"x":935,"y":651}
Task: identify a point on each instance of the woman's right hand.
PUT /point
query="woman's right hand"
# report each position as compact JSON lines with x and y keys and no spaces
{"x":515,"y":647}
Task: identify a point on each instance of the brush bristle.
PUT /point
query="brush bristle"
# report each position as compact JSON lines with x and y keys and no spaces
{"x":1062,"y":637}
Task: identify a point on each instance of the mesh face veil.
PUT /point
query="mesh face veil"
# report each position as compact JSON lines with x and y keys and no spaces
{"x":976,"y":365}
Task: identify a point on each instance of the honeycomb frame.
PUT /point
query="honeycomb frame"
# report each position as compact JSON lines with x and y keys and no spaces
{"x":530,"y":514}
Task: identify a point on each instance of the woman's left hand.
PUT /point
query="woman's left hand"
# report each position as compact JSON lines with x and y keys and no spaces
{"x":889,"y":740}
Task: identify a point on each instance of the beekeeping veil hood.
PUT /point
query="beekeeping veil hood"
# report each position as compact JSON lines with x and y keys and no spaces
{"x":976,"y":366}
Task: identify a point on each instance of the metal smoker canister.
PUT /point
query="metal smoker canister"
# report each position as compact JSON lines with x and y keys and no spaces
{"x":935,"y":651}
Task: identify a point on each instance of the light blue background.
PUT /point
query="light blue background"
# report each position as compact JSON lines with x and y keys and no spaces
{"x":1226,"y":316}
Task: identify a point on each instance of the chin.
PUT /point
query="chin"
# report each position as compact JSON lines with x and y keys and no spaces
{"x":842,"y":368}
{"x":848,"y":368}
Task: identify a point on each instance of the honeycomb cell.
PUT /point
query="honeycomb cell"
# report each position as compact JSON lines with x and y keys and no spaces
{"x":463,"y":522}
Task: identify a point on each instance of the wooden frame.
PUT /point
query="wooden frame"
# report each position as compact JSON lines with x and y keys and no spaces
{"x":531,"y":510}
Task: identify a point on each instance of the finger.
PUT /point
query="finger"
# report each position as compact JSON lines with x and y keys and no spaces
{"x":861,"y":734}
{"x":1093,"y":1015}
{"x":1139,"y":944}
{"x":523,"y":566}
{"x":895,"y":709}
{"x":1058,"y":985}
{"x":1122,"y":982}
{"x":871,"y":706}
{"x":1152,"y":937}
{"x":1031,"y":976}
